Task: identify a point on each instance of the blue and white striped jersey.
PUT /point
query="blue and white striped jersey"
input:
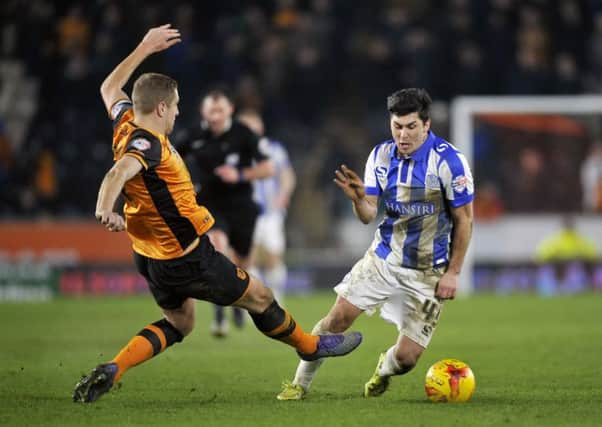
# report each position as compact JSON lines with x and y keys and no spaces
{"x":417,"y":192}
{"x":265,"y":191}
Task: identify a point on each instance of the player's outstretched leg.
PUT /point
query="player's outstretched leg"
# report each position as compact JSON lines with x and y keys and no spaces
{"x":149,"y":342}
{"x":278,"y":324}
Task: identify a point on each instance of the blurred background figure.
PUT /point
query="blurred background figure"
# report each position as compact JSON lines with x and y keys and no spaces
{"x":567,"y":245}
{"x":227,"y":157}
{"x":273,"y":196}
{"x":564,"y":258}
{"x":591,"y":179}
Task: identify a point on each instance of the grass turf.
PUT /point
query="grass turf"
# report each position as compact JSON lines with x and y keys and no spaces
{"x":536,"y":361}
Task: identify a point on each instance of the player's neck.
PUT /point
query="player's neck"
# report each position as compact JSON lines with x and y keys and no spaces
{"x":217,"y":131}
{"x":149,"y":123}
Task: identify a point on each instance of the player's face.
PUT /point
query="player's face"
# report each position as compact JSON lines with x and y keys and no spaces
{"x":216,"y":111}
{"x":171,"y":114}
{"x":409,"y":132}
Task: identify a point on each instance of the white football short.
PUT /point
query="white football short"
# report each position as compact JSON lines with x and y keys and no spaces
{"x":406,"y":297}
{"x":269,"y":232}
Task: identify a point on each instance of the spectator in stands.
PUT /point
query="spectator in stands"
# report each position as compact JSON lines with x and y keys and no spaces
{"x":487,"y":204}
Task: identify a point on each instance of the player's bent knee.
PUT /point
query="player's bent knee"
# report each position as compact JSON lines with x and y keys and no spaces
{"x":258,"y":298}
{"x":183,"y":325}
{"x":186,"y":329}
{"x":183,"y":319}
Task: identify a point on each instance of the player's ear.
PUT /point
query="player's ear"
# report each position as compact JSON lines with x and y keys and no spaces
{"x":161,"y":108}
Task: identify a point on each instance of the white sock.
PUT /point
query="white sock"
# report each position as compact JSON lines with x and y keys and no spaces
{"x":390,"y":365}
{"x":306,"y":371}
{"x":275,"y":279}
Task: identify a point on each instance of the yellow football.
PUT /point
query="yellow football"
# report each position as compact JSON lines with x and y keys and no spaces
{"x":449,"y":380}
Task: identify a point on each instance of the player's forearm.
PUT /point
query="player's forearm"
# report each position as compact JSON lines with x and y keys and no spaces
{"x":263,"y":169}
{"x":364,"y":210}
{"x":459,"y":244}
{"x":113,"y":85}
{"x":288,"y":182}
{"x":111,"y":187}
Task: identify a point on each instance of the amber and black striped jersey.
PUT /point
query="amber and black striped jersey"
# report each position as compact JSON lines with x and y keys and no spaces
{"x":161,"y":213}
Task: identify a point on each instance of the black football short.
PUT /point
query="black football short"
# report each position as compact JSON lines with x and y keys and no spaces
{"x":203,"y":274}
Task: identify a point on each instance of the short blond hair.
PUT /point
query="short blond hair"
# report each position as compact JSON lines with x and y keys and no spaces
{"x":152,"y":88}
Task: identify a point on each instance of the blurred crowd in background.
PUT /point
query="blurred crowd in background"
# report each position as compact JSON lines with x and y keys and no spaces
{"x":318,"y":71}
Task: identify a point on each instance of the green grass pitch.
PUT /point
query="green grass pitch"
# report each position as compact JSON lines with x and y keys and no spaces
{"x":537,"y":362}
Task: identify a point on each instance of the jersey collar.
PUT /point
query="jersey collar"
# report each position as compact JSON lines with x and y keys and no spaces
{"x":422,"y":151}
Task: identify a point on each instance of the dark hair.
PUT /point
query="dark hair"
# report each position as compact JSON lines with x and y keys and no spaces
{"x":152,"y":88}
{"x":411,"y":100}
{"x":219,"y":91}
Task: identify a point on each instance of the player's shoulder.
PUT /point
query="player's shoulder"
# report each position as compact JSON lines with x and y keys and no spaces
{"x":383,"y":150}
{"x":142,"y":139}
{"x":449,"y":157}
{"x":445,"y":149}
{"x":241,"y":129}
{"x":275,"y":145}
{"x":275,"y":149}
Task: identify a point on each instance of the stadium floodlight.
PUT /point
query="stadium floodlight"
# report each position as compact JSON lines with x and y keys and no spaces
{"x":465,"y":109}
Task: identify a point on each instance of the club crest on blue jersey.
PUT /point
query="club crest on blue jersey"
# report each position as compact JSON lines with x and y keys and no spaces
{"x":380,"y":171}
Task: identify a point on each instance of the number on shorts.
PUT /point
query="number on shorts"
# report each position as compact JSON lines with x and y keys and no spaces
{"x":431,"y":309}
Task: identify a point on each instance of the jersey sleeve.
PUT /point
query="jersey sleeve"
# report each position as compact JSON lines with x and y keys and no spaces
{"x":118,"y":110}
{"x":456,"y":179}
{"x":145,"y":147}
{"x":370,"y":182}
{"x":260,"y":147}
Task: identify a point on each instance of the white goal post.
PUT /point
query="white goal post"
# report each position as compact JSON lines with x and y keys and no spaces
{"x":463,"y":110}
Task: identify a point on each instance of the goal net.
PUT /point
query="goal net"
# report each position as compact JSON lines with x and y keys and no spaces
{"x":537,"y":163}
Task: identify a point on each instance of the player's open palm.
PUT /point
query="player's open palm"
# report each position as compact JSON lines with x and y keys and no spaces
{"x":161,"y":38}
{"x":350,"y":183}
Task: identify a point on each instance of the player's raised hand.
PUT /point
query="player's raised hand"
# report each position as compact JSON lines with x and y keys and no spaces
{"x":350,"y":183}
{"x":111,"y":220}
{"x":160,"y":38}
